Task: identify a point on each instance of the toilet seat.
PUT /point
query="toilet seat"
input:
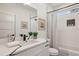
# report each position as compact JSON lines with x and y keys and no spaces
{"x":53,"y":51}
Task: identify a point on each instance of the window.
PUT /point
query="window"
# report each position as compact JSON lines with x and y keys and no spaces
{"x":71,"y":22}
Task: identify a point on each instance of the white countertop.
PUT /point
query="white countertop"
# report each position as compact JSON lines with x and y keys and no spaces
{"x":28,"y":46}
{"x":4,"y":50}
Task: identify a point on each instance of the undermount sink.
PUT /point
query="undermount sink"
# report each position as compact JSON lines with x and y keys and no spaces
{"x":22,"y":43}
{"x":29,"y":42}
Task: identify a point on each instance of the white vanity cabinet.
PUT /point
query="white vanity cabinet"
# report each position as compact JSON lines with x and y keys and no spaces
{"x":38,"y":50}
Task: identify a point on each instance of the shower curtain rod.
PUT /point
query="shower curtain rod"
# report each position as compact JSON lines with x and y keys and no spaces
{"x":33,"y":17}
{"x":63,"y":7}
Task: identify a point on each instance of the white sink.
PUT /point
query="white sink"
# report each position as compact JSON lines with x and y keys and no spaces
{"x":23,"y":43}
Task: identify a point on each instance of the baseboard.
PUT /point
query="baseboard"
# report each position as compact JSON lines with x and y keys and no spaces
{"x":69,"y":51}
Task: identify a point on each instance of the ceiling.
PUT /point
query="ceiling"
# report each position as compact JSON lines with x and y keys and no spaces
{"x":55,"y":4}
{"x":58,"y":5}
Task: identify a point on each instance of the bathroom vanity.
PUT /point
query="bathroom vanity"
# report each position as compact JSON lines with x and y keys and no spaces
{"x":34,"y":47}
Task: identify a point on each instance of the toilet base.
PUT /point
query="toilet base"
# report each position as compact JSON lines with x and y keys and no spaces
{"x":53,"y":52}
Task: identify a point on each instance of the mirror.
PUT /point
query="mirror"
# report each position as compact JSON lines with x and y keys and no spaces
{"x":7,"y":24}
{"x":16,"y":18}
{"x":30,"y":23}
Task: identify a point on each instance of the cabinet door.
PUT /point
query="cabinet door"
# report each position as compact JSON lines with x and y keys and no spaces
{"x":34,"y":51}
{"x":44,"y":52}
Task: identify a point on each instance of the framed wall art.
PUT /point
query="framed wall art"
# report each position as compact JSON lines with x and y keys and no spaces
{"x":24,"y":25}
{"x":41,"y":24}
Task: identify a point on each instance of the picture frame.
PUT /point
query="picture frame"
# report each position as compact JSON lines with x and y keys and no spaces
{"x":41,"y":24}
{"x":24,"y":25}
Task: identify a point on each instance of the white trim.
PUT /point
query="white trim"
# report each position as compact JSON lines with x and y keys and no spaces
{"x":70,"y":52}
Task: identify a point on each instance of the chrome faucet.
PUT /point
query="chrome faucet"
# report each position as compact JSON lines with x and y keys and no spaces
{"x":11,"y":38}
{"x":24,"y":37}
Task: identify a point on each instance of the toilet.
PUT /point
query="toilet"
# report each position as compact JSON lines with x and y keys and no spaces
{"x":53,"y":52}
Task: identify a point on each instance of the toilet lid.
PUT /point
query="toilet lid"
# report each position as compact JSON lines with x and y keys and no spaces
{"x":53,"y":50}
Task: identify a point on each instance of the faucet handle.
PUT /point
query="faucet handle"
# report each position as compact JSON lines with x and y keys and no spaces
{"x":21,"y":35}
{"x":11,"y":37}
